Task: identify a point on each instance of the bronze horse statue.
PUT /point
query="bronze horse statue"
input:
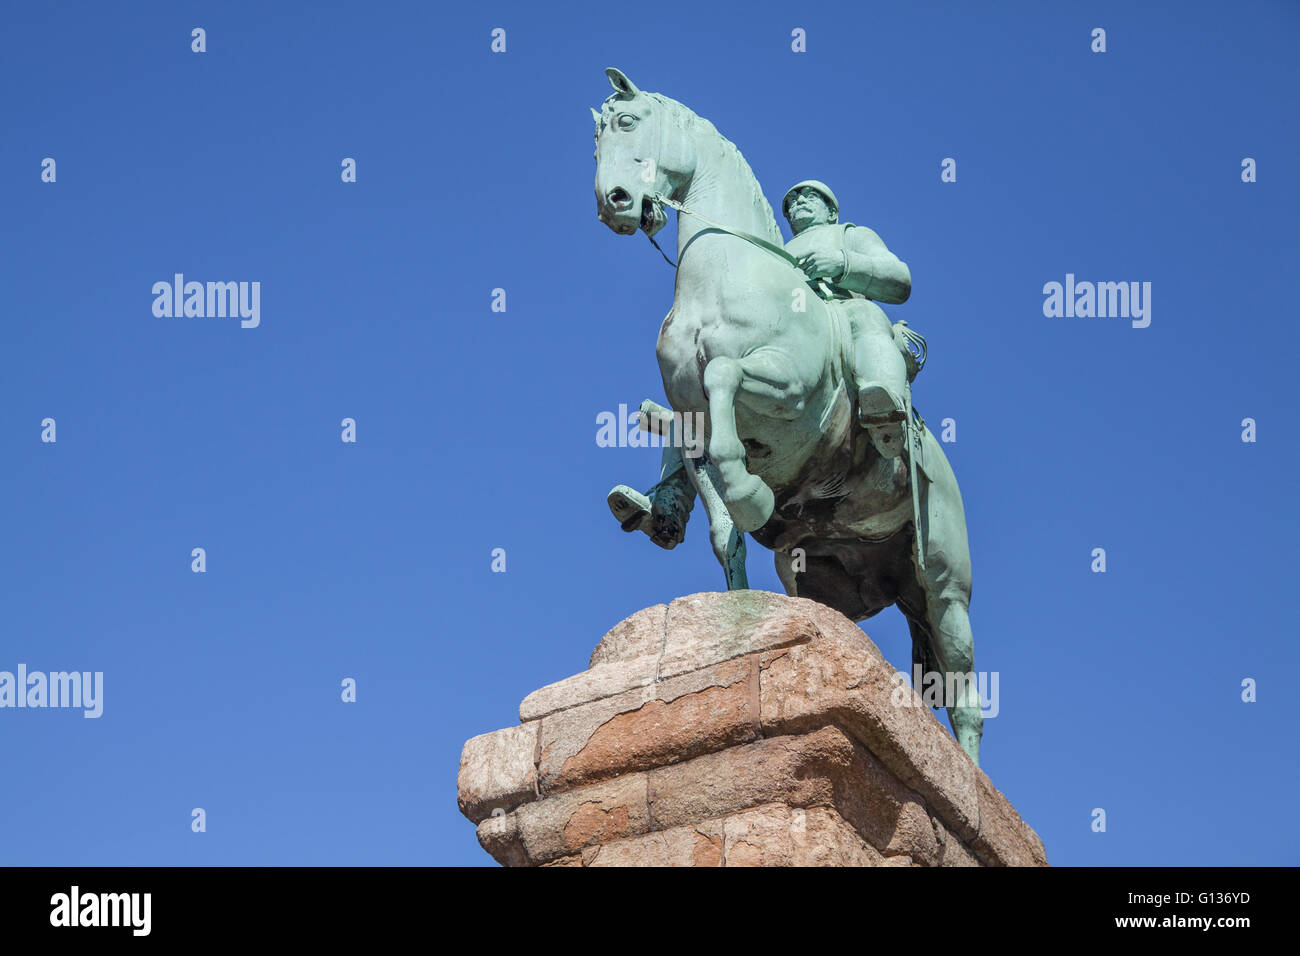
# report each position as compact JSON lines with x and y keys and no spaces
{"x":786,"y":460}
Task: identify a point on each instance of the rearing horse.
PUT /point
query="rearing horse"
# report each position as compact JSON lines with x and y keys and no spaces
{"x":766,"y":362}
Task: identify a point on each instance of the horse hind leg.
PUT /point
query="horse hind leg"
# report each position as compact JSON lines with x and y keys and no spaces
{"x":938,"y":609}
{"x":948,"y":651}
{"x":726,"y":539}
{"x":956,"y":649}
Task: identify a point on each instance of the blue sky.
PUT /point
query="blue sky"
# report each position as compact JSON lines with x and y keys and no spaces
{"x":476,"y":429}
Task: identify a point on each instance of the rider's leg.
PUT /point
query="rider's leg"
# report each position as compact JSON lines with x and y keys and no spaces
{"x":880,"y":378}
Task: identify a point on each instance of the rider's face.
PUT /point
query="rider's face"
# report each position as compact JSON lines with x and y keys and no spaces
{"x":808,"y":208}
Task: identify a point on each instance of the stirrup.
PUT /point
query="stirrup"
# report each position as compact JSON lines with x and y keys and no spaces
{"x":888,"y":439}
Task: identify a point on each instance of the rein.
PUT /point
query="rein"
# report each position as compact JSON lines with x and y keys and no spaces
{"x":748,"y":237}
{"x":820,"y":287}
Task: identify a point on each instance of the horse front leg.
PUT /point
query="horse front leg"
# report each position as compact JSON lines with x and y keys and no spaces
{"x":764,"y":382}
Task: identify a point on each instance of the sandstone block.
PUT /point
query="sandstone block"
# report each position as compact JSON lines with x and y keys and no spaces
{"x":735,"y":729}
{"x":843,"y":679}
{"x":640,"y":635}
{"x":825,"y":768}
{"x":564,"y":824}
{"x":1004,"y":838}
{"x":497,"y":771}
{"x":679,"y":718}
{"x":777,"y":835}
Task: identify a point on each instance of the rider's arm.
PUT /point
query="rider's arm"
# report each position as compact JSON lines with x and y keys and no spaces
{"x":872,"y":269}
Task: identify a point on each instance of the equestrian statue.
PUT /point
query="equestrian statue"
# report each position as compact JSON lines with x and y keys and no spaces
{"x":811,"y":446}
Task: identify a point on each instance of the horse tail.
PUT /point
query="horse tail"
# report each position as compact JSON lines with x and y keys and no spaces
{"x":922,"y":651}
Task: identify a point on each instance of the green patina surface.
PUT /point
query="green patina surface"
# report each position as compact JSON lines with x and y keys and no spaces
{"x":804,"y":385}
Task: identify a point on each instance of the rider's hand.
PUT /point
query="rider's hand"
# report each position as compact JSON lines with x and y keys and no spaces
{"x":830,"y":263}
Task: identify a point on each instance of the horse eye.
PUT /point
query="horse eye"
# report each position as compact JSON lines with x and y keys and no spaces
{"x":626,"y":121}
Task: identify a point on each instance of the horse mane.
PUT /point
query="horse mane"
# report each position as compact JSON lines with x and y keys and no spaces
{"x":691,"y":118}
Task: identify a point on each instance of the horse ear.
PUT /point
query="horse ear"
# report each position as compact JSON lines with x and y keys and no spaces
{"x":618,"y":79}
{"x":596,"y":116}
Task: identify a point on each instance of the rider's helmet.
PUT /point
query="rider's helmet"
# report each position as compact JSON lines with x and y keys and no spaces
{"x":821,"y":188}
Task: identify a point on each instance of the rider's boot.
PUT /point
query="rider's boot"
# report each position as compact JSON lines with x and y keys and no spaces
{"x":882,"y":413}
{"x":880,"y":375}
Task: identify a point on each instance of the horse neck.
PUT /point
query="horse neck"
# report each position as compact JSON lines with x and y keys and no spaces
{"x":723,"y":189}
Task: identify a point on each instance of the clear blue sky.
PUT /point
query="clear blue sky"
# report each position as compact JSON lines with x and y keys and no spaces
{"x":476,"y":429}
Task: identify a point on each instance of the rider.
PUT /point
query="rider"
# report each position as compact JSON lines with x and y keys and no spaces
{"x":853,"y":265}
{"x":849,"y":264}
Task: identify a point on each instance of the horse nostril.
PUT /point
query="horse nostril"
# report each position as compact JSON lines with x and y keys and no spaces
{"x":620,"y":198}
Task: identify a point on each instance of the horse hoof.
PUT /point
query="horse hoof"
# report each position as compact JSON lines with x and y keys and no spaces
{"x":750,"y":504}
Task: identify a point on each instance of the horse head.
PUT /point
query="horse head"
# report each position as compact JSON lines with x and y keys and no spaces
{"x":636,"y":161}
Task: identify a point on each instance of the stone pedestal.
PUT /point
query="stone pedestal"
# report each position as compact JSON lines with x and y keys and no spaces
{"x":741,"y":728}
